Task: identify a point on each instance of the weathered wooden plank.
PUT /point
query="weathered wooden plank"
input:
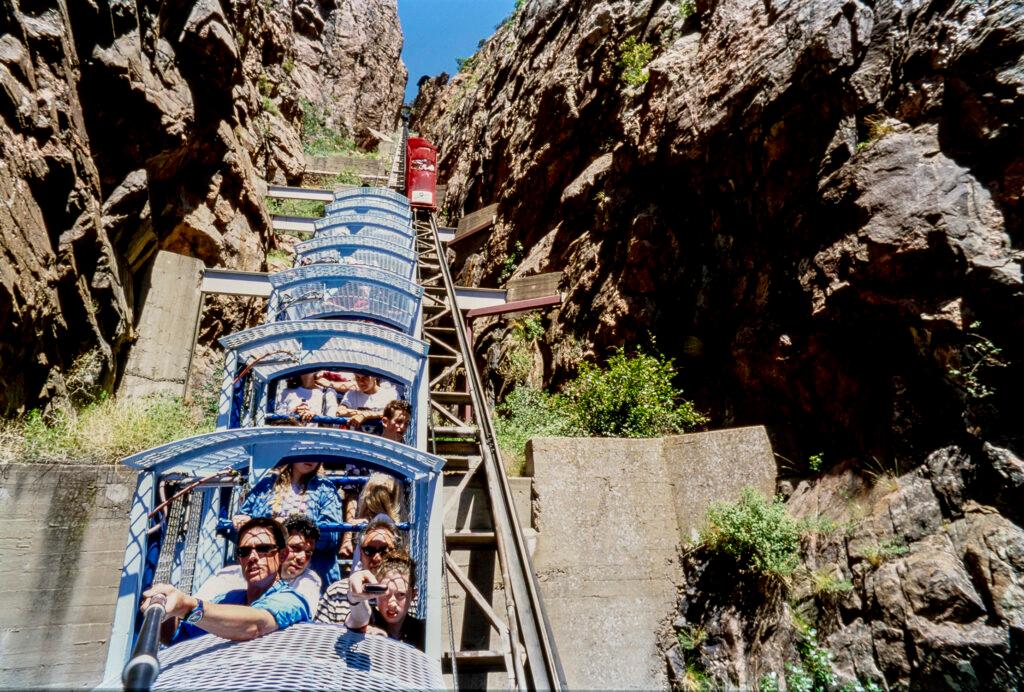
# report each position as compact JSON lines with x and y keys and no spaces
{"x":478,"y":221}
{"x":535,"y":286}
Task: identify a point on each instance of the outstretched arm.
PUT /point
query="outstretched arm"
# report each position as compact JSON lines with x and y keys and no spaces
{"x":359,"y":616}
{"x":228,"y":621}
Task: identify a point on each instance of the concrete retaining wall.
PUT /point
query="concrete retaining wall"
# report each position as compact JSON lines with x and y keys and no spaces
{"x":62,"y":535}
{"x":158,"y":360}
{"x":612,"y":515}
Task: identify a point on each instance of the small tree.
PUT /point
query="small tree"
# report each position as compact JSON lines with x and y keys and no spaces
{"x":633,"y":397}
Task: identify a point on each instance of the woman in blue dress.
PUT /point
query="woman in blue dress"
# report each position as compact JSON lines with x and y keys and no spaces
{"x":298,"y":488}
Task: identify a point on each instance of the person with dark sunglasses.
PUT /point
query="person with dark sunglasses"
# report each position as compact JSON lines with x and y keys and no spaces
{"x":295,"y":565}
{"x":377,"y":538}
{"x":267,"y":603}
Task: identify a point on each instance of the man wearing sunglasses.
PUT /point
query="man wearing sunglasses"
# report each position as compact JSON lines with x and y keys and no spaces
{"x":302,"y":537}
{"x":267,"y":602}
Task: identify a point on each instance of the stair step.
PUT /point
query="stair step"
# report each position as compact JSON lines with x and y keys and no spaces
{"x":469,"y":539}
{"x":463,"y":447}
{"x":451,"y":397}
{"x":460,"y":462}
{"x":455,"y":431}
{"x":473,"y":660}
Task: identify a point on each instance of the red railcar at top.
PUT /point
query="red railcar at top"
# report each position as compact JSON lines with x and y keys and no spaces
{"x":421,"y":173}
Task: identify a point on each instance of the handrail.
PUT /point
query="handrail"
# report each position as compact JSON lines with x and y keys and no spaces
{"x":224,"y":526}
{"x":143,"y":666}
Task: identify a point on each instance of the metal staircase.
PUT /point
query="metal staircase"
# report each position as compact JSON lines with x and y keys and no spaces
{"x":503,"y":637}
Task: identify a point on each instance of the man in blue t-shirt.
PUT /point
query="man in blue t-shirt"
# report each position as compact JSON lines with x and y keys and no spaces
{"x":267,"y":603}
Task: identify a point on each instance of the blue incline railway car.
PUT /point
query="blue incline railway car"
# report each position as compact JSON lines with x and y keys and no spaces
{"x":341,"y":339}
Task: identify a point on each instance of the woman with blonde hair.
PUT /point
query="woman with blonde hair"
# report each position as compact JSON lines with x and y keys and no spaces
{"x":298,"y":487}
{"x":382,"y":494}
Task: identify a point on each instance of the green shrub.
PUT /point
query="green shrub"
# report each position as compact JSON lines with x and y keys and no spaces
{"x":886,"y":550}
{"x":264,"y":85}
{"x":826,"y":585}
{"x":634,"y":56}
{"x":687,"y":8}
{"x":511,"y":262}
{"x":102,"y":432}
{"x":632,"y":397}
{"x":815,"y":462}
{"x":268,"y":105}
{"x":769,"y":682}
{"x":978,"y":359}
{"x":690,"y":638}
{"x":526,"y":413}
{"x":276,"y":256}
{"x":517,"y":360}
{"x":814,"y":672}
{"x":759,"y":534}
{"x":530,"y":327}
{"x":515,"y":13}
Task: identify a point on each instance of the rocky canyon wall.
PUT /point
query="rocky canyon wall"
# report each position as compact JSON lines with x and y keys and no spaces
{"x":816,"y":208}
{"x":126,"y":128}
{"x":808,"y":203}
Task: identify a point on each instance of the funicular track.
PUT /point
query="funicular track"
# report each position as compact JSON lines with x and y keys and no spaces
{"x":516,"y":646}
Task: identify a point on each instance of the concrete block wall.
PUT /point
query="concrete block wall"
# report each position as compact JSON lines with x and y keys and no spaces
{"x":62,"y":535}
{"x":612,"y":516}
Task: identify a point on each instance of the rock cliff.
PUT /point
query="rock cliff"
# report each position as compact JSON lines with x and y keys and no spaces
{"x":816,"y":208}
{"x":347,"y":55}
{"x":125,"y":128}
{"x":809,"y":203}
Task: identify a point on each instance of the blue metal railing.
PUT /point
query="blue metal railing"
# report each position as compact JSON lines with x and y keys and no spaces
{"x":226,"y":528}
{"x":338,"y":421}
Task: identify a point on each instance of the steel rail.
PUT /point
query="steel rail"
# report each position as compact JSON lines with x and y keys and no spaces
{"x":544,"y":666}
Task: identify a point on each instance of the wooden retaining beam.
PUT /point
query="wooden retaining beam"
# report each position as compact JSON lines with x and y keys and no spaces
{"x":472,"y":224}
{"x":535,"y":286}
{"x":357,"y":165}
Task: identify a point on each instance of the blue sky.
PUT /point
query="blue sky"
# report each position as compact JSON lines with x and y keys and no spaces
{"x":438,"y":31}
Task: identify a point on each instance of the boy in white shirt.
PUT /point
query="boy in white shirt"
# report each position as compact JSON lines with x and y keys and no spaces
{"x":367,"y":401}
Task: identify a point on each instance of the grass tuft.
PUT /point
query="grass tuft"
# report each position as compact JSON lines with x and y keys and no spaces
{"x":102,"y":432}
{"x":295,"y":207}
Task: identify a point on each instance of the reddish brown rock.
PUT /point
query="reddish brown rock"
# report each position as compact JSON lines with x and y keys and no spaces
{"x":834,"y":176}
{"x":125,"y":128}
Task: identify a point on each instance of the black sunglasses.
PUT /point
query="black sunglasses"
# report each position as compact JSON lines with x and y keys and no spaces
{"x":263,"y":549}
{"x":373,"y":550}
